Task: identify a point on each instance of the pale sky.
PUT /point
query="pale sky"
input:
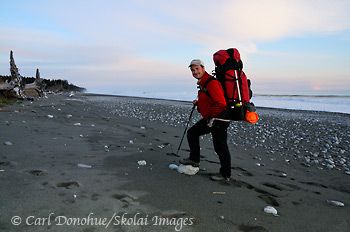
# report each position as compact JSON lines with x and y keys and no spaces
{"x":111,"y":46}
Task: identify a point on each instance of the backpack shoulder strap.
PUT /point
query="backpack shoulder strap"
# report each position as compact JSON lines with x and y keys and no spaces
{"x":204,"y":89}
{"x":207,"y":82}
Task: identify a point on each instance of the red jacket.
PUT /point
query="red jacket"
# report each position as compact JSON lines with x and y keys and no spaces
{"x":211,"y":107}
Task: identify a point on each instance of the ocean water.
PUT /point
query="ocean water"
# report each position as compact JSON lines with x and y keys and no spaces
{"x":329,"y":103}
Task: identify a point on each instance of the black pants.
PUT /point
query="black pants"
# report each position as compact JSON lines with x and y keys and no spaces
{"x":219,"y":133}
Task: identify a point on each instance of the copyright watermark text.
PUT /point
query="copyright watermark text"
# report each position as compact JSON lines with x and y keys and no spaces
{"x":124,"y":219}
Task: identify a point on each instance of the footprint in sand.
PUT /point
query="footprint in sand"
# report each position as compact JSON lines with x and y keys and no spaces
{"x":278,"y":173}
{"x":68,"y":185}
{"x":38,"y":173}
{"x":269,"y":198}
{"x":252,"y":228}
{"x":125,"y":198}
{"x":242,"y":171}
{"x":293,"y":187}
{"x":314,"y":184}
{"x":273,"y":185}
{"x":9,"y":164}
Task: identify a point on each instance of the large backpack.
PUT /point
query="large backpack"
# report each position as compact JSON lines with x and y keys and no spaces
{"x":236,"y":86}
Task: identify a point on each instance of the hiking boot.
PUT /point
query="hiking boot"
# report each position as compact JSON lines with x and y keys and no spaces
{"x":189,"y":162}
{"x":219,"y":178}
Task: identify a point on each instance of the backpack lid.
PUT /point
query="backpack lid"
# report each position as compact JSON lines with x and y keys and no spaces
{"x":221,"y":56}
{"x":230,"y":59}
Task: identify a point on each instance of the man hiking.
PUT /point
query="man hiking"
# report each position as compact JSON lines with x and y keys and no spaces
{"x":212,"y":106}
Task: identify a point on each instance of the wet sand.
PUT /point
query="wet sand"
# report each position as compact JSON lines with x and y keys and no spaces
{"x":295,"y":161}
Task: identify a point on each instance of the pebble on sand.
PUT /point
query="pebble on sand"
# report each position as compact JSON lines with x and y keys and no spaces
{"x":336,"y":203}
{"x":271,"y":210}
{"x":84,"y":166}
{"x":142,"y":162}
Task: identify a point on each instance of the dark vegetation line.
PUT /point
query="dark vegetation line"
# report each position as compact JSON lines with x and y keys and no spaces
{"x":51,"y":85}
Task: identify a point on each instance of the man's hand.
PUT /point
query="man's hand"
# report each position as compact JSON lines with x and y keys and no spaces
{"x":195,"y":102}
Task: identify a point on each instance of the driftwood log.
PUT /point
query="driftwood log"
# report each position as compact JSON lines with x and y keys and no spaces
{"x":7,"y":86}
{"x":17,"y":84}
{"x":38,"y":85}
{"x":16,"y":79}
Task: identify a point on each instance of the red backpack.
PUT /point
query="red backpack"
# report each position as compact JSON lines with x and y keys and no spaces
{"x":228,"y":71}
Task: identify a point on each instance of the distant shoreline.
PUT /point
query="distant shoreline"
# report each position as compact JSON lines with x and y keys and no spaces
{"x":189,"y":102}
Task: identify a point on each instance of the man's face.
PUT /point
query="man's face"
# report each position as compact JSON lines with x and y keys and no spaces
{"x":197,"y":71}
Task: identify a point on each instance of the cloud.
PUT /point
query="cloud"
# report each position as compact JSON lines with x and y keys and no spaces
{"x":240,"y":24}
{"x":212,"y":25}
{"x":276,"y":19}
{"x":151,"y":42}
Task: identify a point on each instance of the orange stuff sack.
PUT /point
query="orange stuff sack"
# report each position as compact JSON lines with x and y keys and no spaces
{"x":251,"y":117}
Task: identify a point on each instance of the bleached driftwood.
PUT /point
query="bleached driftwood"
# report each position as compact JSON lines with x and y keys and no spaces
{"x":16,"y":82}
{"x":38,"y":85}
{"x":7,"y":86}
{"x":14,"y":76}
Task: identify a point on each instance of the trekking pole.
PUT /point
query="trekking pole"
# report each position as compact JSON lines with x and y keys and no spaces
{"x":188,"y":122}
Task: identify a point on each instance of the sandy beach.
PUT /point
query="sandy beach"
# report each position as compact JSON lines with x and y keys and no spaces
{"x":72,"y":164}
